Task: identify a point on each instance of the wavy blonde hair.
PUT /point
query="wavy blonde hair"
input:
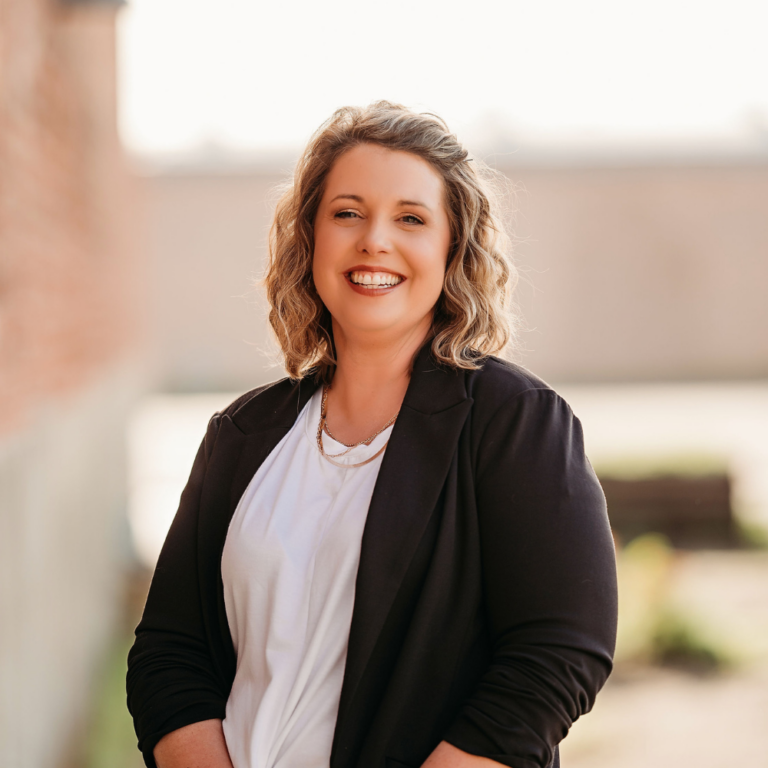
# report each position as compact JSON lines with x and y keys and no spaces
{"x":472,"y":317}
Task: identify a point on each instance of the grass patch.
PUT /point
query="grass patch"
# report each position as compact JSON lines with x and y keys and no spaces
{"x":111,"y":741}
{"x":677,"y":642}
{"x":752,"y":535}
{"x":652,"y":628}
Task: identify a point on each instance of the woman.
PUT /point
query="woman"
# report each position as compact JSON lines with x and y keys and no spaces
{"x":399,"y":555}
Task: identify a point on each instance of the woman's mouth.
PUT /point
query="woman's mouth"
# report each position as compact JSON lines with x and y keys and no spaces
{"x":373,"y":283}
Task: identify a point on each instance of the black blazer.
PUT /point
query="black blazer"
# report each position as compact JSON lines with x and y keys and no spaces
{"x":485,"y":605}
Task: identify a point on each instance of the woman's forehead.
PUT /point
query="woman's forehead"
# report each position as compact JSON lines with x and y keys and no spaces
{"x":372,"y":171}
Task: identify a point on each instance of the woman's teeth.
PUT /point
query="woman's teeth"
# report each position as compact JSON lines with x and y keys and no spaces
{"x":374,"y":279}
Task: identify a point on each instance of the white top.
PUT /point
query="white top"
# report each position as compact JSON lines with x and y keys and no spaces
{"x":289,"y":567}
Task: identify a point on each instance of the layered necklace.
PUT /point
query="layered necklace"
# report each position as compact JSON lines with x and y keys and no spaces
{"x":323,"y":427}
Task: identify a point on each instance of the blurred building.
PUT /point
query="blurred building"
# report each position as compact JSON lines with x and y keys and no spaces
{"x":633,"y":267}
{"x":68,"y":277}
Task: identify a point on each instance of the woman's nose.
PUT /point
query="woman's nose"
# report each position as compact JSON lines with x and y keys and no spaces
{"x":374,"y":238}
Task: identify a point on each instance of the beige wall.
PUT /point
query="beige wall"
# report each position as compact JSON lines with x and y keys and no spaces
{"x":641,"y":272}
{"x":206,"y":244}
{"x":646,"y":273}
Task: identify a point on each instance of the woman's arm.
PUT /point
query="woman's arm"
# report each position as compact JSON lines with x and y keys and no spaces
{"x":448,"y":756}
{"x":200,"y":745}
{"x":173,"y":681}
{"x":549,"y":584}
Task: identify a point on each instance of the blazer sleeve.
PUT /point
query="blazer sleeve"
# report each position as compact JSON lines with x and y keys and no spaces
{"x":549,"y":580}
{"x":172,"y":680}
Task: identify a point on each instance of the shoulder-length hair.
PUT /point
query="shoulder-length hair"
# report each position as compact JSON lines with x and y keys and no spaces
{"x":472,"y":317}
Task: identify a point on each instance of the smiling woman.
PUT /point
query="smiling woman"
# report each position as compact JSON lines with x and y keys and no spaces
{"x":428,"y":196}
{"x":374,"y":241}
{"x":399,"y":555}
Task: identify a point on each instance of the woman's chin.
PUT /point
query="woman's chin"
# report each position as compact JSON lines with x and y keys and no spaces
{"x":376,"y":328}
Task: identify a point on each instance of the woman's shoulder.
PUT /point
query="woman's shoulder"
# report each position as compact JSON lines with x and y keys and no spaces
{"x":500,"y":381}
{"x":273,"y":403}
{"x":507,"y":396}
{"x":512,"y":406}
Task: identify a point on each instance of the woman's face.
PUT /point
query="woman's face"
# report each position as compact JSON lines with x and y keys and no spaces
{"x":382,"y":236}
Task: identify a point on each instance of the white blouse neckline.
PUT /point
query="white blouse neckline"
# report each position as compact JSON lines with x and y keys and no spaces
{"x":331,"y":446}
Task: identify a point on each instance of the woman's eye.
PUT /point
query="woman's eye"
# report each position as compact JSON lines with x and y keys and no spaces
{"x":345,"y":215}
{"x":411,"y":219}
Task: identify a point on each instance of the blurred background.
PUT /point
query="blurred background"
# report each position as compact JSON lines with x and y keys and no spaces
{"x":140,"y":145}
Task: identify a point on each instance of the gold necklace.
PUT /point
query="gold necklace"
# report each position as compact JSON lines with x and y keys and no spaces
{"x":323,"y":426}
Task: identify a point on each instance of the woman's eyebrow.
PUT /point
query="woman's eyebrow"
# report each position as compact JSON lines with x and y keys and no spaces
{"x":359,"y":199}
{"x":414,"y":202}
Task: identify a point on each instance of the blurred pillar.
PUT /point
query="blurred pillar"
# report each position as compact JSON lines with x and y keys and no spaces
{"x":69,"y":367}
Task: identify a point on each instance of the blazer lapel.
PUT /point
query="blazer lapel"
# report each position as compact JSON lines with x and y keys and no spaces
{"x":265,"y":428}
{"x":413,"y":471}
{"x":245,"y":438}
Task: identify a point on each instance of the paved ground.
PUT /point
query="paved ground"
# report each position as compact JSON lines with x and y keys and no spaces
{"x":654,"y":718}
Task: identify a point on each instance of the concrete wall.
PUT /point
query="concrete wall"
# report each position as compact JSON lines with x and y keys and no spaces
{"x":64,"y":550}
{"x":642,"y":271}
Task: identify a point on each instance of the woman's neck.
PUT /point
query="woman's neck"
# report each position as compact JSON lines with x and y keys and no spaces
{"x":369,"y":383}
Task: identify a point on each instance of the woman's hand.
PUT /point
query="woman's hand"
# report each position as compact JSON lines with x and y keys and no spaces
{"x":200,"y":745}
{"x":448,"y":756}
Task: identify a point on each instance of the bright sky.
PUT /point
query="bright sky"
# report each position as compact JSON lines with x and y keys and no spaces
{"x":258,"y":75}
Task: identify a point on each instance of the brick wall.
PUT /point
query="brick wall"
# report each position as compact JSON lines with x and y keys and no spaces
{"x":68,"y":370}
{"x":65,"y":269}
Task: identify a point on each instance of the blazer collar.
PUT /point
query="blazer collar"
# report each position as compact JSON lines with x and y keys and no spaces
{"x":432,"y":389}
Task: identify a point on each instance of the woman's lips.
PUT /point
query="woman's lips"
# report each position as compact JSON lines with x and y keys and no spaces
{"x":370,"y":290}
